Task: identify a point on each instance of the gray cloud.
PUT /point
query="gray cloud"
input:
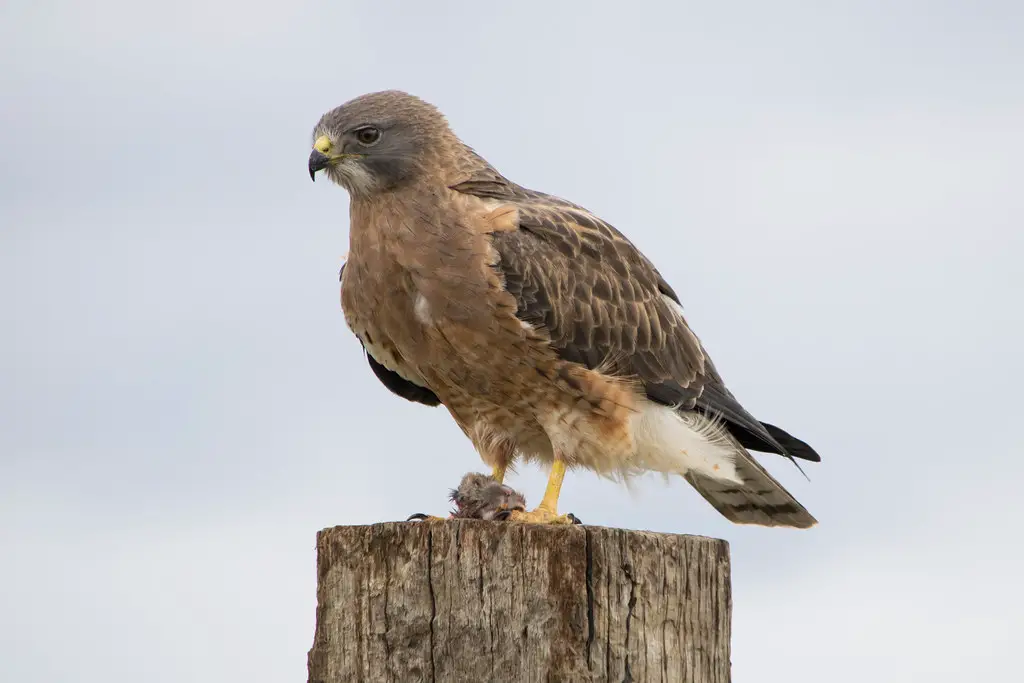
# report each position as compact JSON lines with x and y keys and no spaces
{"x":832,"y":190}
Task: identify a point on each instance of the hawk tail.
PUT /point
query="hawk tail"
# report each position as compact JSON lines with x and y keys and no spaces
{"x":760,"y":499}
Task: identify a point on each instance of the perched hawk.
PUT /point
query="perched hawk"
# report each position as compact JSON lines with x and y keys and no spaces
{"x":545,"y":333}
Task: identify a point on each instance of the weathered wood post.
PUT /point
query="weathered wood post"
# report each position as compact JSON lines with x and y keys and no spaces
{"x":488,"y":602}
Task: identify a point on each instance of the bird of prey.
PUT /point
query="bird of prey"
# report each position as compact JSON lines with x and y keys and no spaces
{"x":546,"y":334}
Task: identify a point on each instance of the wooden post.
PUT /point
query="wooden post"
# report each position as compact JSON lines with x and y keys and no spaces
{"x":487,"y":602}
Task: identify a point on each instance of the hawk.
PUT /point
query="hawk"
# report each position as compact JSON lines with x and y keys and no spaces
{"x":546,"y":334}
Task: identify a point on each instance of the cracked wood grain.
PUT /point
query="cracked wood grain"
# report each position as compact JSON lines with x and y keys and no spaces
{"x":489,"y":602}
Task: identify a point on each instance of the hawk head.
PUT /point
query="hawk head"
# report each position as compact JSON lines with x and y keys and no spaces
{"x":378,"y":142}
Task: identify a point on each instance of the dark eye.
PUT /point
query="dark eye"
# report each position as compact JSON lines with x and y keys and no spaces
{"x":367,"y":135}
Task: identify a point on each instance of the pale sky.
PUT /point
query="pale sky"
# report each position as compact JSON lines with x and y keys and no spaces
{"x":833,"y":189}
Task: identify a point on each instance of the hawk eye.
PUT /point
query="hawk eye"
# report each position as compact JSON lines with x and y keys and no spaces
{"x":367,"y":135}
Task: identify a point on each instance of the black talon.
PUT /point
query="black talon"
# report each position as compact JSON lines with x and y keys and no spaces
{"x":574,"y":519}
{"x":418,"y":516}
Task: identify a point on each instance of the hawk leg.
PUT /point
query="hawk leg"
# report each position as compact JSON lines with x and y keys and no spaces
{"x":547,"y":511}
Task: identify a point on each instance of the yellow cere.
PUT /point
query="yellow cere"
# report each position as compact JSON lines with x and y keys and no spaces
{"x":322,"y":144}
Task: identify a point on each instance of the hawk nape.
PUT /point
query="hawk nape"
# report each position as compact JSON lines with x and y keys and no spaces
{"x":545,"y":333}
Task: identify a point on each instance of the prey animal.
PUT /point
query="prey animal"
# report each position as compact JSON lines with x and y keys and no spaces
{"x":479,"y":496}
{"x":546,"y":334}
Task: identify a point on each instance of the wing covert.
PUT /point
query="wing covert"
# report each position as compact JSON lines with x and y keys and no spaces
{"x":601,"y":302}
{"x":604,"y":305}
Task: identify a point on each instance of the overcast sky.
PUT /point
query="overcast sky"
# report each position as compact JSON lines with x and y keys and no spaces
{"x":834,"y":189}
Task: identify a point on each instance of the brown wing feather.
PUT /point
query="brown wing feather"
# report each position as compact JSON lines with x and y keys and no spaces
{"x":596,"y":296}
{"x":604,"y":304}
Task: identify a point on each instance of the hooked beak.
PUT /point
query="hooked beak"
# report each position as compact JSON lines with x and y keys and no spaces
{"x":317,"y":162}
{"x":323,"y":156}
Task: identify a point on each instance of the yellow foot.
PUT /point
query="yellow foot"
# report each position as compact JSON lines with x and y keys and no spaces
{"x":542,"y":516}
{"x":419,"y":516}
